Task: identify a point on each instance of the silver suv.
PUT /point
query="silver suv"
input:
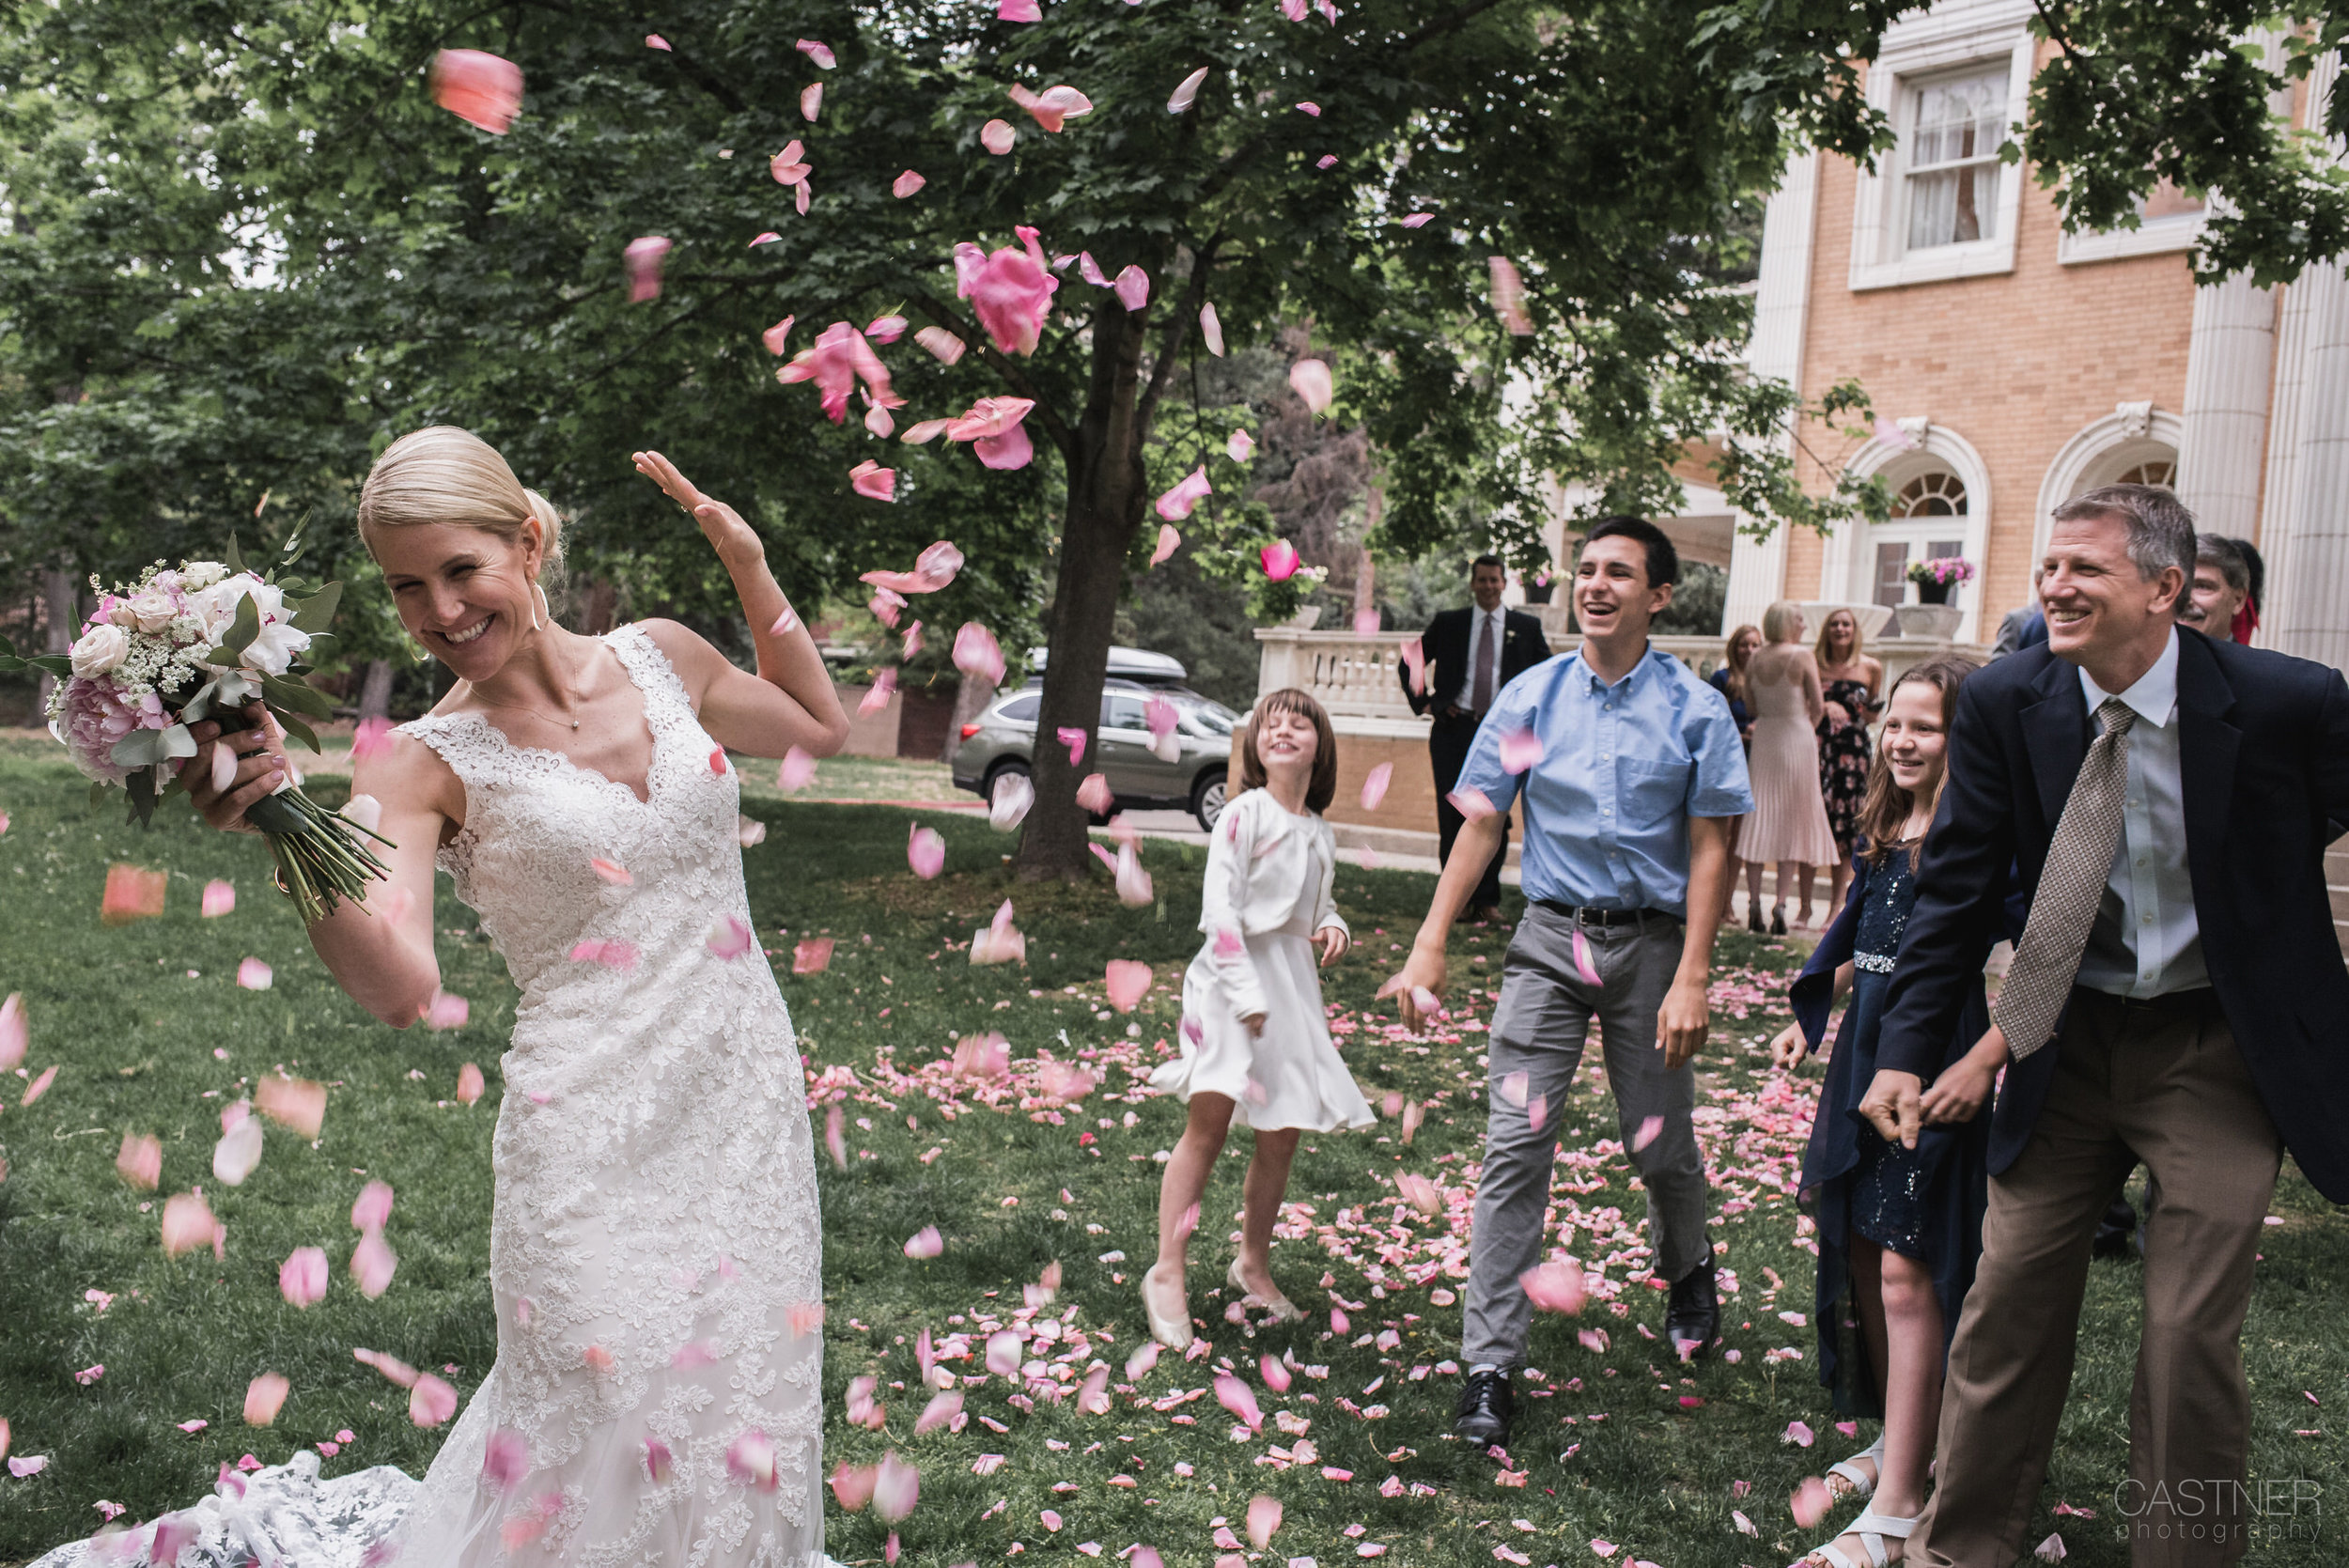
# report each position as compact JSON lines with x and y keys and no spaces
{"x":1002,"y":737}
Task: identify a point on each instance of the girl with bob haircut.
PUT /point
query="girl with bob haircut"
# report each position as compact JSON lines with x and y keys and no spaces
{"x":1256,"y":1044}
{"x":1900,"y":1229}
{"x":655,"y":1178}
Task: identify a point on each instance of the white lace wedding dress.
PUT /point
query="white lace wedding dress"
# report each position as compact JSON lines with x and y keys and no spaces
{"x":655,"y":1221}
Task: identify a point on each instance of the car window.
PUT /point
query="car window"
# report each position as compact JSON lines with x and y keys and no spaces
{"x":1121,"y":712}
{"x":1022,"y":710}
{"x":1209,"y":719}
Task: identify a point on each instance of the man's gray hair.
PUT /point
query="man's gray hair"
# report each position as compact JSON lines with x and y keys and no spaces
{"x":2211,"y":551}
{"x":2161,"y":530}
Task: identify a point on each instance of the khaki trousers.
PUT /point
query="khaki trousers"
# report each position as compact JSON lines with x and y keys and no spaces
{"x":2165,"y":1083}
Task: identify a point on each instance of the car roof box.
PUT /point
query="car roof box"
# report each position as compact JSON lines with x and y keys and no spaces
{"x":1136,"y":664}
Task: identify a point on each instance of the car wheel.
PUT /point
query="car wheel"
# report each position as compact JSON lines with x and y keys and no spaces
{"x":1207,"y":800}
{"x":1012,"y":767}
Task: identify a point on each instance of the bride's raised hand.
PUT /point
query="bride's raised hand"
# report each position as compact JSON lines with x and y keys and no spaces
{"x":720,"y":524}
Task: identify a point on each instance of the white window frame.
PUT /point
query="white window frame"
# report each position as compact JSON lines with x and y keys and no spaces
{"x":1946,"y":40}
{"x":1847,"y":570}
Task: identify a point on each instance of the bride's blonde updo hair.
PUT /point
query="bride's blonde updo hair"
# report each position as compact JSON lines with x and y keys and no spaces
{"x":443,"y":474}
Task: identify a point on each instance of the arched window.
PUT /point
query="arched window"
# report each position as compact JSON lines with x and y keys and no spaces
{"x":2159,"y":470}
{"x":1928,"y":521}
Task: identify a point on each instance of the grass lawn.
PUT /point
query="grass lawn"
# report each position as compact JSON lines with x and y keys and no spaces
{"x":150,"y":1033}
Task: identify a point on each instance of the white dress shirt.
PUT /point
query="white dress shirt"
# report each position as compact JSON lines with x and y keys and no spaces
{"x":1478,"y":620}
{"x":2146,"y":941}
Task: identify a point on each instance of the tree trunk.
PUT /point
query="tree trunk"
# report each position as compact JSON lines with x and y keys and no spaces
{"x":57,"y":610}
{"x":374,"y":692}
{"x":1105,"y":497}
{"x":600,"y":605}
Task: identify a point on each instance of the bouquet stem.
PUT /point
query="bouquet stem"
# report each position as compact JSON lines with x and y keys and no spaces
{"x":320,"y":857}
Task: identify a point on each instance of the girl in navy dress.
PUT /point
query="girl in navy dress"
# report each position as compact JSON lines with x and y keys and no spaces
{"x":1900,"y":1230}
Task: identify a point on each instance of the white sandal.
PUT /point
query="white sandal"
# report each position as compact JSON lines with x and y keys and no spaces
{"x":1173,"y":1332}
{"x":1281,"y":1307}
{"x":1860,"y":1485}
{"x":1874,"y":1530}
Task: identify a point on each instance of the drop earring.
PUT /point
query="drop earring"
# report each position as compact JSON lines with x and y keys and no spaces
{"x":537,"y":593}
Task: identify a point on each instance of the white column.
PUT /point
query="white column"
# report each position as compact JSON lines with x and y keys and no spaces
{"x":1782,"y":312}
{"x":2230,"y":364}
{"x":2307,"y":576}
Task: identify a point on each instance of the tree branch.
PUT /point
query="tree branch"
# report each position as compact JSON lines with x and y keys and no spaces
{"x":1171,"y":344}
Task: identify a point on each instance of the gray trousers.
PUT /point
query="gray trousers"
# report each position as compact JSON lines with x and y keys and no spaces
{"x":1537,"y":1030}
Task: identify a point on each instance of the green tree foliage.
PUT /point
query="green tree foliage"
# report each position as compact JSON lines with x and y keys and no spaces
{"x":249,"y":250}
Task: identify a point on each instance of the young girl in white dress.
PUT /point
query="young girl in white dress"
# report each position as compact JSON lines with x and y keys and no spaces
{"x":1255,"y":1046}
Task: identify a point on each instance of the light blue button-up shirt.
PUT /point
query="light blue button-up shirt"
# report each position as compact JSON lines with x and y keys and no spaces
{"x":1622,"y":769}
{"x":2146,"y":941}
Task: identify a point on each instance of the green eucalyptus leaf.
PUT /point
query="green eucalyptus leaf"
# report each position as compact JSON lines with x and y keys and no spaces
{"x":317,"y":612}
{"x":244,"y":627}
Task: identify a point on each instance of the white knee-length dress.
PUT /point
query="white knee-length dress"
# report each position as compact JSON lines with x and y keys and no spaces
{"x":1269,"y":873}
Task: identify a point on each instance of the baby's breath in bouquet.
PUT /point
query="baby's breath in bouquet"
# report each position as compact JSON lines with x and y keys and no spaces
{"x":207,"y":640}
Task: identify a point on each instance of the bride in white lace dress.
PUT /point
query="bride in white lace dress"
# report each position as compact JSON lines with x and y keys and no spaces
{"x":654,"y":1247}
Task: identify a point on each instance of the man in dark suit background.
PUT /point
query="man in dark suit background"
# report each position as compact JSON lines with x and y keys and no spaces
{"x":2178,"y":997}
{"x":1472,"y":654}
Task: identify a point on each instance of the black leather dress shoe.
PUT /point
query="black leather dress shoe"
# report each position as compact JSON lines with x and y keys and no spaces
{"x":2117,"y":1235}
{"x":1693,"y":1321}
{"x":1485,"y":1407}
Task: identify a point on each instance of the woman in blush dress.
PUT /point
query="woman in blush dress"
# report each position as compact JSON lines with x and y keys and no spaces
{"x":655,"y":1247}
{"x":1788,"y":823}
{"x":1849,"y":681}
{"x":1729,"y":681}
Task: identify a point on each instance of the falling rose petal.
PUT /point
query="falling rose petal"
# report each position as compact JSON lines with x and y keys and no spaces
{"x":372,"y":1265}
{"x":997,"y":136}
{"x":886,"y":328}
{"x":1512,"y":1088}
{"x":749,"y":831}
{"x":1132,"y":288}
{"x":1310,"y":377}
{"x":1128,"y":982}
{"x":1138,"y":1364}
{"x":2051,"y":1549}
{"x":263,"y":1398}
{"x":1280,"y":560}
{"x":1239,"y":1399}
{"x":1538,"y":1111}
{"x":15,"y":1032}
{"x":1018,"y":10}
{"x":236,"y":1155}
{"x":853,"y":1485}
{"x":254,"y":975}
{"x":791,"y":166}
{"x":1649,"y":1127}
{"x":1744,"y":1525}
{"x":798,"y":767}
{"x":1240,"y":446}
{"x":430,"y":1401}
{"x":1508,"y":296}
{"x":943,"y":345}
{"x":1472,"y":803}
{"x":611,"y":872}
{"x":1053,"y":105}
{"x":220,"y":898}
{"x":188,"y":1223}
{"x":1809,"y":1503}
{"x":1418,"y":220}
{"x":479,"y":88}
{"x":1176,"y":504}
{"x":1556,"y":1286}
{"x":751,"y":1460}
{"x":869,"y":479}
{"x":301,"y":1278}
{"x":654,"y":40}
{"x":1264,"y":1519}
{"x":1185,"y":93}
{"x":1375,"y":785}
{"x":812,"y":956}
{"x":372,"y":1209}
{"x":1092,"y":794}
{"x":1169,"y":542}
{"x":1421,"y":1193}
{"x":642,"y":259}
{"x":940,"y":1411}
{"x":925,"y":1243}
{"x":810,"y":101}
{"x":298,"y":1104}
{"x":505,"y":1459}
{"x":1309,"y":108}
{"x":1134,"y":888}
{"x":223,"y":769}
{"x":904,"y":186}
{"x":1519,"y":750}
{"x":1010,"y":451}
{"x":835,"y":1140}
{"x":1074,"y":739}
{"x":822,"y":56}
{"x":1327,"y":161}
{"x":896,"y":1488}
{"x":773,"y":336}
{"x":659,"y":1463}
{"x":140,"y":1161}
{"x":728,"y":938}
{"x":132,"y":892}
{"x":926,"y":852}
{"x":1426,"y":1002}
{"x":1093,"y":1399}
{"x":767,"y":237}
{"x":1003,"y":1354}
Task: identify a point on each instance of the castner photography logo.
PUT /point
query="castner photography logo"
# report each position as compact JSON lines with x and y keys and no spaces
{"x":2263,"y":1512}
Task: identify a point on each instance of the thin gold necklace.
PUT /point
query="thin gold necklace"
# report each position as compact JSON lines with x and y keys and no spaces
{"x":537,"y":713}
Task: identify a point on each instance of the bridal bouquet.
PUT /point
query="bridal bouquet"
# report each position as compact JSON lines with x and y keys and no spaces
{"x":201,"y":641}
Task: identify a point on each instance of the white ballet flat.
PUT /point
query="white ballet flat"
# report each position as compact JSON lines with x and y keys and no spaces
{"x":1281,"y":1307}
{"x":1173,"y":1332}
{"x":1859,"y":1485}
{"x":1874,"y":1530}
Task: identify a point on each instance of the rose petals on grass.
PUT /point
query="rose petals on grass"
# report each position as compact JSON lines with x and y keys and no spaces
{"x":140,"y":1162}
{"x":220,"y":898}
{"x":15,"y":1032}
{"x":264,"y":1397}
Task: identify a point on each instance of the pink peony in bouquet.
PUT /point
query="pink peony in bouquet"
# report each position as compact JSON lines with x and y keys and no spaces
{"x":206,"y":639}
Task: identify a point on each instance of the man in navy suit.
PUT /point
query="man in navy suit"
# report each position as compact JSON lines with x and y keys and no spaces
{"x":2178,"y":997}
{"x":1472,"y":654}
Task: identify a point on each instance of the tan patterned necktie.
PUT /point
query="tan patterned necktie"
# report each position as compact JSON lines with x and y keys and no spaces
{"x":2071,"y":884}
{"x":1481,"y":688}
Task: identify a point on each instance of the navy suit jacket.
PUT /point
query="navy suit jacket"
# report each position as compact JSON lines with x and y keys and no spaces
{"x":1446,"y":645}
{"x":2263,"y":756}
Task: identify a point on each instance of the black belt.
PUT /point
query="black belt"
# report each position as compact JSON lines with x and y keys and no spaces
{"x":2168,"y":1002}
{"x":1582,"y":914}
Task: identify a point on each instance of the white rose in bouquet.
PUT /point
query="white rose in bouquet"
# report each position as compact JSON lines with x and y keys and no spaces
{"x":101,"y":648}
{"x":200,"y":574}
{"x":149,"y":612}
{"x":273,"y":646}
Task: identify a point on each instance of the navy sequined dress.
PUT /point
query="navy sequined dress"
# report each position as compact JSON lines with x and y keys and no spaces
{"x":1924,"y":1203}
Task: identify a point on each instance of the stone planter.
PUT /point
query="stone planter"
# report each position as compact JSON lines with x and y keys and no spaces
{"x":1930,"y":620}
{"x":1307,"y":618}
